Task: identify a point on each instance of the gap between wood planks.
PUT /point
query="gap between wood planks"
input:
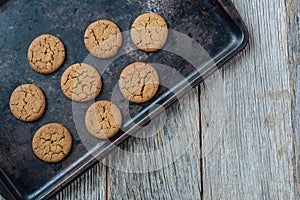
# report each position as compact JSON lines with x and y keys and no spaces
{"x":200,"y":139}
{"x":293,"y":34}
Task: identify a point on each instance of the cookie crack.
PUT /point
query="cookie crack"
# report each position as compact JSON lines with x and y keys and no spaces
{"x":95,"y":37}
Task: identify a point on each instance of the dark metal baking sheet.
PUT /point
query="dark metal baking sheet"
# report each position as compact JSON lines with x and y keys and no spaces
{"x":214,"y":25}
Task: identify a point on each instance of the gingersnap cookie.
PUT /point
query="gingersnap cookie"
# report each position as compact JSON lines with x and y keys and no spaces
{"x":52,"y":142}
{"x":103,"y":119}
{"x":81,"y":82}
{"x":103,"y":39}
{"x":149,"y":32}
{"x":46,"y":54}
{"x":139,"y":82}
{"x":27,"y":102}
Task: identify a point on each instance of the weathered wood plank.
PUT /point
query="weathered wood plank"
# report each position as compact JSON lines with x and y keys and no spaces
{"x":293,"y":10}
{"x":90,"y":185}
{"x":253,"y":157}
{"x":180,"y":179}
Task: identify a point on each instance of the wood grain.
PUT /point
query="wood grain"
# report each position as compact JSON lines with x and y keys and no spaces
{"x":293,"y":10}
{"x":90,"y":185}
{"x":253,"y":157}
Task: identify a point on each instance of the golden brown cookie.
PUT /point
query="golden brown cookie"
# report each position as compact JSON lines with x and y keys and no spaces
{"x":149,"y":32}
{"x":81,"y":82}
{"x":103,"y":119}
{"x":46,"y":54}
{"x":139,"y":82}
{"x":27,"y":102}
{"x":52,"y":142}
{"x":103,"y":39}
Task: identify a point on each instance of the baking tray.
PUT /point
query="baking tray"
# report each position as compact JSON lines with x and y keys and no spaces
{"x":204,"y":34}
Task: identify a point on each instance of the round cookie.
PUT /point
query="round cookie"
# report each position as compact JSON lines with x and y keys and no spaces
{"x":103,"y":39}
{"x":139,"y":82}
{"x":149,"y":32}
{"x":81,"y":82}
{"x":52,"y":142}
{"x":103,"y":119}
{"x":27,"y":102}
{"x":46,"y":54}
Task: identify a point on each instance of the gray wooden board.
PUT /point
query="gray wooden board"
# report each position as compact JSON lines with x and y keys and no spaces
{"x":293,"y":8}
{"x":253,"y":158}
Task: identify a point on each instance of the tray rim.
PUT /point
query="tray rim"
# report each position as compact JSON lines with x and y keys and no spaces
{"x":91,"y":159}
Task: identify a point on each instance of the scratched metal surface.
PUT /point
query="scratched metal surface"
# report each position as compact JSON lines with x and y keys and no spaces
{"x":21,"y":21}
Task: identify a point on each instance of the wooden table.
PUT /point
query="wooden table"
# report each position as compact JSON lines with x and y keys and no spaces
{"x":241,"y":126}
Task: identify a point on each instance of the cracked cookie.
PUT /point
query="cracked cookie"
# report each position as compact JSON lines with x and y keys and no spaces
{"x":103,"y":119}
{"x":149,"y":32}
{"x":139,"y":82}
{"x":103,"y":39}
{"x":46,"y":54}
{"x":52,"y":142}
{"x":81,"y":82}
{"x":27,"y":102}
